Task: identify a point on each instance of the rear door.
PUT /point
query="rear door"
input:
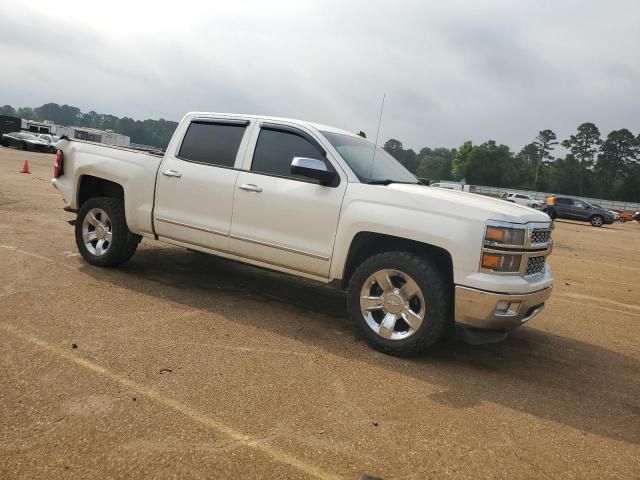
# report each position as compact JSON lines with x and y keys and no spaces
{"x":281,"y":220}
{"x":196,"y":181}
{"x":564,"y":207}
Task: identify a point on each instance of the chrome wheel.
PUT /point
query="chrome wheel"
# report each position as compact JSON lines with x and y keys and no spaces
{"x":392,"y":304}
{"x":96,"y":232}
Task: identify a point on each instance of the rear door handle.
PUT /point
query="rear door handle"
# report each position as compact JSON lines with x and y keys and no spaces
{"x":250,"y":187}
{"x":172,"y":173}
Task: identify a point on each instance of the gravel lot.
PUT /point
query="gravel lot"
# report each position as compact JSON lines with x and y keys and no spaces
{"x":187,"y":366}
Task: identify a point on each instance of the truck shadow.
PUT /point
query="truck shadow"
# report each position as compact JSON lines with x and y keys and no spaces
{"x":554,"y":378}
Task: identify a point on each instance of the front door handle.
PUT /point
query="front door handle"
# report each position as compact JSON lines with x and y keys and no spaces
{"x":250,"y":187}
{"x":172,"y":173}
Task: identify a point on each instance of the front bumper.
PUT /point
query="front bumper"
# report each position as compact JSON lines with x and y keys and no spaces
{"x":478,"y":308}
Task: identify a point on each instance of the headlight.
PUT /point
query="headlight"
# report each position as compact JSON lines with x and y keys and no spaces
{"x":501,"y":262}
{"x":504,"y":235}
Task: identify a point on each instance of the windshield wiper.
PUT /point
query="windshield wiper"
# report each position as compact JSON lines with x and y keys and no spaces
{"x":388,"y":181}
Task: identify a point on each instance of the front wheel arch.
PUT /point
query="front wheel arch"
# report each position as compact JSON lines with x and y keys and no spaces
{"x":366,"y":244}
{"x":436,"y":302}
{"x":597,"y":220}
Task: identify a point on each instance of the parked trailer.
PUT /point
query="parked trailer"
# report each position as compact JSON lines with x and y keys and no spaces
{"x":35,"y":127}
{"x":9,"y":124}
{"x":106,"y":137}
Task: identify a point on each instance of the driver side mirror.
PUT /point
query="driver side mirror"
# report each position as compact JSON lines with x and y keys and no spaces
{"x":313,"y":169}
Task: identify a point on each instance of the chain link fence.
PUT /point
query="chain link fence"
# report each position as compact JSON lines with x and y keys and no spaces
{"x":541,"y":196}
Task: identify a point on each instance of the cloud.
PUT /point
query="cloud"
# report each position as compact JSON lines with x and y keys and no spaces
{"x":451,"y":70}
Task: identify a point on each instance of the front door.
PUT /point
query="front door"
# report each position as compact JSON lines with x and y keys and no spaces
{"x":195,"y":186}
{"x":280,"y":220}
{"x":581,"y":210}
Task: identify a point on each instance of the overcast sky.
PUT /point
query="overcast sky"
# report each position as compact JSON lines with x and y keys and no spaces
{"x":451,"y":70}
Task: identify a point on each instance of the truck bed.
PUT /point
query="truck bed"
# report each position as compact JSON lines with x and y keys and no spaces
{"x":134,"y":170}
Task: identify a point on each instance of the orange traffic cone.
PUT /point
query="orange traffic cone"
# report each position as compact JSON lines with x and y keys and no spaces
{"x":25,"y":167}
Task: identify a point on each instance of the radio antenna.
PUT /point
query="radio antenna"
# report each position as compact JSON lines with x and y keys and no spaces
{"x":375,"y":147}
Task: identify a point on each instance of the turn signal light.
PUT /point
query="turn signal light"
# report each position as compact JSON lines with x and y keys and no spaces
{"x":499,"y":262}
{"x":505,"y":236}
{"x":495,"y":234}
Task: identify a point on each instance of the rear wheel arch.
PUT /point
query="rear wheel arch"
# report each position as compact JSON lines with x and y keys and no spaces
{"x":90,"y":186}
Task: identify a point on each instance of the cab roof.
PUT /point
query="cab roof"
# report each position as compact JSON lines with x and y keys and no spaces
{"x":317,"y":126}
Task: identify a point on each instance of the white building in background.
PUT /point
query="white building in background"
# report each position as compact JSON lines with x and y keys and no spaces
{"x":108,"y":137}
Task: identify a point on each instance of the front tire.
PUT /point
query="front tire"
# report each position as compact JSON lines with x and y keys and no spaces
{"x":400,"y":302}
{"x":102,"y":235}
{"x":597,"y":220}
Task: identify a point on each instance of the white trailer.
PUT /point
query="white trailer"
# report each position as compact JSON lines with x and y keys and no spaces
{"x":106,"y":137}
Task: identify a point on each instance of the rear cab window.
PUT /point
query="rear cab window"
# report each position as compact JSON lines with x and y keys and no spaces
{"x":213,"y":142}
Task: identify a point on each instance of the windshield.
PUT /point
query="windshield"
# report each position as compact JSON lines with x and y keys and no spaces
{"x":359,"y":155}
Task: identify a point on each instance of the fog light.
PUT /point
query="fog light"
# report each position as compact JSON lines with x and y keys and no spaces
{"x":505,"y":307}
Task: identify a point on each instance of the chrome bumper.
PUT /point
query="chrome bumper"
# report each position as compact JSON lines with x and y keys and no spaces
{"x":478,"y":309}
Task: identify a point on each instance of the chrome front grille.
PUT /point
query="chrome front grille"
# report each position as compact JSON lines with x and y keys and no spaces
{"x":540,"y":236}
{"x":535,"y":265}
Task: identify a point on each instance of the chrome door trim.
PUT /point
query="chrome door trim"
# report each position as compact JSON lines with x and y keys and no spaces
{"x":280,"y":247}
{"x":248,"y":259}
{"x":193,"y":227}
{"x":244,"y":239}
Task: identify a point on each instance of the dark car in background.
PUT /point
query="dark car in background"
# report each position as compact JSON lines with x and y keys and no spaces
{"x":575,"y":209}
{"x":25,"y":141}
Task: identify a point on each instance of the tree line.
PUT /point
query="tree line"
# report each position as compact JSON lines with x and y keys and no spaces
{"x":592,"y":166}
{"x":156,"y":133}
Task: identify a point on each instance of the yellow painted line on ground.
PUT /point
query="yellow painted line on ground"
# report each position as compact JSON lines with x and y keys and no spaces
{"x":599,"y":307}
{"x":24,"y":252}
{"x":35,"y":255}
{"x":579,"y":296}
{"x":245,"y":440}
{"x":600,"y":264}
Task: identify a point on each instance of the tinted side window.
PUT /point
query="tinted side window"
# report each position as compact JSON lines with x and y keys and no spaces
{"x":564,"y":201}
{"x":275,"y":150}
{"x":212,"y":143}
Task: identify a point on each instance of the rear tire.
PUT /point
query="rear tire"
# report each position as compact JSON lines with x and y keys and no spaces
{"x":102,"y":235}
{"x":431,"y":299}
{"x":622,"y":219}
{"x":597,"y":220}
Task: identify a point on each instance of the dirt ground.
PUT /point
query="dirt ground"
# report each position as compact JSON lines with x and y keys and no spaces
{"x":181,"y":365}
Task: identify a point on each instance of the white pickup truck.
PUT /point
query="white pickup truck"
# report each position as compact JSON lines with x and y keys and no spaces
{"x":321,"y":203}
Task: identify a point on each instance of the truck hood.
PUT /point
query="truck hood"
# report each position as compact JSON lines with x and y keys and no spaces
{"x":451,"y":200}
